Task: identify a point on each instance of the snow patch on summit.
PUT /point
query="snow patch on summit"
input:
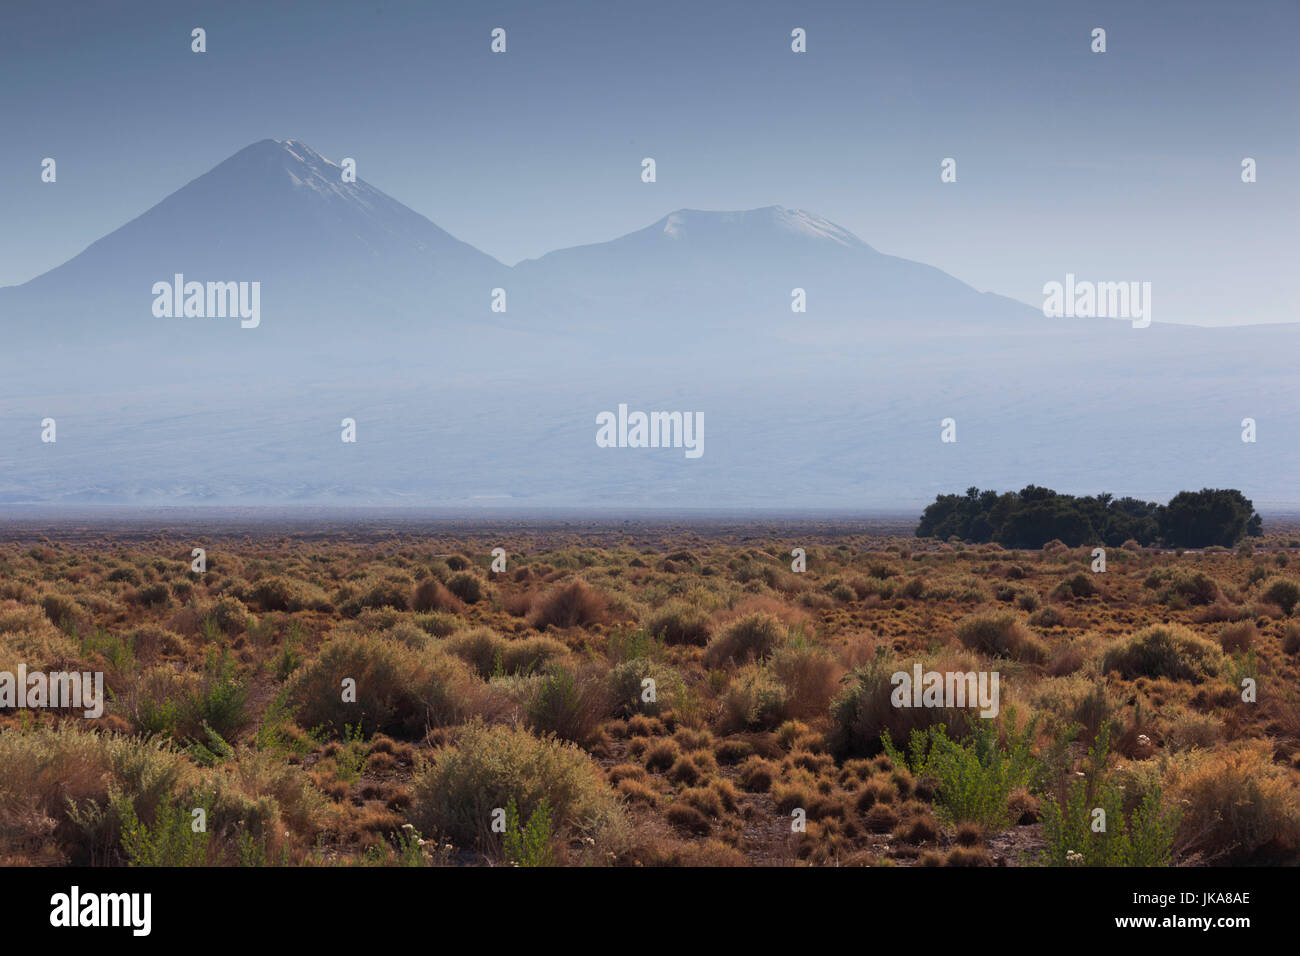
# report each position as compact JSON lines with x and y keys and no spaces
{"x":805,"y":223}
{"x":308,"y":168}
{"x":678,"y":225}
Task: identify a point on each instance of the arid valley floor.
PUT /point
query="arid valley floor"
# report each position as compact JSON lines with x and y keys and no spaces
{"x":644,"y":694}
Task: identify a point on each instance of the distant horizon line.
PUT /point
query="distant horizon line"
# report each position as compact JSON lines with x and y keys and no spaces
{"x":19,"y":514}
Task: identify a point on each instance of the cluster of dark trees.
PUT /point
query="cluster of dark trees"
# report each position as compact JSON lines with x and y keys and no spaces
{"x":1033,"y":516}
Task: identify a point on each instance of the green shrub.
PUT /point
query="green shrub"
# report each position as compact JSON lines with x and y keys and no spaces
{"x":973,"y":779}
{"x":678,"y":622}
{"x":467,"y":586}
{"x":221,"y":701}
{"x":1079,"y":585}
{"x":61,"y":609}
{"x":399,"y":690}
{"x":58,"y":782}
{"x":748,"y":638}
{"x":1240,"y":806}
{"x":1165,"y":650}
{"x":480,"y":647}
{"x":627,"y":689}
{"x":754,"y":700}
{"x":1001,"y":634}
{"x":438,"y":624}
{"x":156,"y":595}
{"x":393,"y":590}
{"x":1178,"y":587}
{"x":228,"y":615}
{"x":528,"y":844}
{"x":1284,"y":592}
{"x":278,"y":593}
{"x":1077,"y":835}
{"x":569,"y":705}
{"x":531,"y":655}
{"x":489,"y":765}
{"x":862,"y":711}
{"x":169,"y":840}
{"x":1291,"y":638}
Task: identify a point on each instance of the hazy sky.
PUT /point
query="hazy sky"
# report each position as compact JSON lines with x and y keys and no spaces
{"x":1117,"y":166}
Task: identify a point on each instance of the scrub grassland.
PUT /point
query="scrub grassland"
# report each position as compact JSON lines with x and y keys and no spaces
{"x":648,"y":696}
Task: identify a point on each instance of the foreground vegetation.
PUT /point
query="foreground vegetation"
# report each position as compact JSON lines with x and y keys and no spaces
{"x":650,"y":698}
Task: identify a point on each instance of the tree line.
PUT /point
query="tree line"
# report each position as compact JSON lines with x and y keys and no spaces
{"x":1033,"y":516}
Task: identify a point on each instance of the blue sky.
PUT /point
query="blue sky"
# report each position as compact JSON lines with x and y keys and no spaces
{"x":1115,"y":166}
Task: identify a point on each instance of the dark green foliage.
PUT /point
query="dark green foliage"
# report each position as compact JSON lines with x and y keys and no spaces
{"x":1033,"y":516}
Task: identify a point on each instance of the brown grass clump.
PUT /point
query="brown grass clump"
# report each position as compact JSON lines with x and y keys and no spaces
{"x":922,"y":829}
{"x":705,"y":799}
{"x":968,"y":856}
{"x":625,"y":771}
{"x":711,"y":853}
{"x":381,"y":763}
{"x":757,"y":774}
{"x":732,"y":751}
{"x":635,"y":791}
{"x":1024,"y":807}
{"x":642,"y":725}
{"x":662,"y":755}
{"x":574,"y":604}
{"x":881,"y":818}
{"x":685,"y":817}
{"x":1220,"y":612}
{"x":1240,"y":636}
{"x":810,"y":675}
{"x":432,"y":595}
